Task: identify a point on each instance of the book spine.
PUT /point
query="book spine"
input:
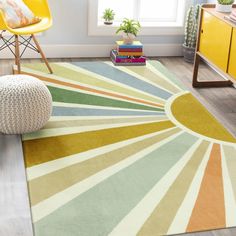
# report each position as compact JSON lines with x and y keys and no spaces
{"x":230,"y":19}
{"x":134,"y":54}
{"x":130,"y":46}
{"x":130,"y":50}
{"x":128,"y":60}
{"x":233,"y":17}
{"x":121,"y":57}
{"x":233,"y":13}
{"x":114,"y":53}
{"x":131,"y":60}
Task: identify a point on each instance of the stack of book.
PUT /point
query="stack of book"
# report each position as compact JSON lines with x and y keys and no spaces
{"x":232,"y":17}
{"x":128,"y":54}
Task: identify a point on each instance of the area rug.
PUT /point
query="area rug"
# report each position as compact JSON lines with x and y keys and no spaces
{"x":128,"y":151}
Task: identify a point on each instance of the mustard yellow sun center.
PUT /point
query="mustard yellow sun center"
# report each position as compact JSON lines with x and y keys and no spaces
{"x":190,"y":113}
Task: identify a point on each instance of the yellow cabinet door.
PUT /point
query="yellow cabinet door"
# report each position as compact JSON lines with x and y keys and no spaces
{"x":232,"y":61}
{"x":215,"y":39}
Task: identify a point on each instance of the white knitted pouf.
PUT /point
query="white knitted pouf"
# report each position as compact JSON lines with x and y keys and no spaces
{"x":25,"y":104}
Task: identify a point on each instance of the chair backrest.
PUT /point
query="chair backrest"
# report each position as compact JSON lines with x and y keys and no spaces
{"x":39,"y":7}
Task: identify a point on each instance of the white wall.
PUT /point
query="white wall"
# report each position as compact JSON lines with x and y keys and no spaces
{"x":69,"y":35}
{"x":71,"y":26}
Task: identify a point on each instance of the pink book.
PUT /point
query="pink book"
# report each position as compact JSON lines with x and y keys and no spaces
{"x":130,"y":60}
{"x":233,"y":17}
{"x":233,"y":13}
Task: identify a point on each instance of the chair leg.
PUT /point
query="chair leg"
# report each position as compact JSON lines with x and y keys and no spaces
{"x":42,"y":54}
{"x":17,"y":54}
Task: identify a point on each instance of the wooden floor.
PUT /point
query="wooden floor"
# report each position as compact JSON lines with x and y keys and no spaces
{"x":15,"y":218}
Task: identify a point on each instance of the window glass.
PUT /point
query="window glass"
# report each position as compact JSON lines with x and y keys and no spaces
{"x":156,"y":10}
{"x":122,"y":8}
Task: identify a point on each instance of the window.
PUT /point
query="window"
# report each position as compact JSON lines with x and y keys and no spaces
{"x":158,"y":11}
{"x":156,"y":17}
{"x":122,"y":8}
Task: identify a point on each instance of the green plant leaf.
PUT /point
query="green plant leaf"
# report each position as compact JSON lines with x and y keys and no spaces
{"x":129,"y":26}
{"x":108,"y":14}
{"x":225,"y":2}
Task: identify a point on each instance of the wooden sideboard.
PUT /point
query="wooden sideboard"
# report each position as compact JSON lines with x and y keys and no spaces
{"x":216,"y":46}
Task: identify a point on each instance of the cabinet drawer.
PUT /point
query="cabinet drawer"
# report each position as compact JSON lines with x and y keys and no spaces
{"x":232,"y":60}
{"x":215,"y":39}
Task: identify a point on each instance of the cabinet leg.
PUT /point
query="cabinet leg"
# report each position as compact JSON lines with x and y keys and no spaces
{"x":195,"y":70}
{"x":206,"y":84}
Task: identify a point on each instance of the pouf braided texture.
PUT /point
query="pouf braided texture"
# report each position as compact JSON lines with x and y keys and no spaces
{"x":25,"y":104}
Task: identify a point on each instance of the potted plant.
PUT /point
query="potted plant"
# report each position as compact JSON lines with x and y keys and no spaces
{"x":108,"y":16}
{"x":224,"y":5}
{"x":130,"y":29}
{"x":191,"y":29}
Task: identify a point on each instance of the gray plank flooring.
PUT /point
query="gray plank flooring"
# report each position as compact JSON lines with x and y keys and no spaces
{"x":15,"y":216}
{"x":14,"y":202}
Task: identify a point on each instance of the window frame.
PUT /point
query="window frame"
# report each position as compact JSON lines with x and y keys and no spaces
{"x":169,"y":28}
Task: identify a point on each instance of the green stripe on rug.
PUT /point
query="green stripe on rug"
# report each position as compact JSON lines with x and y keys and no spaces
{"x":68,"y":96}
{"x":148,"y":74}
{"x":77,"y":172}
{"x":166,"y":72}
{"x":105,"y":165}
{"x":105,"y":121}
{"x":161,"y":218}
{"x":80,"y":76}
{"x":230,"y":157}
{"x":99,"y":210}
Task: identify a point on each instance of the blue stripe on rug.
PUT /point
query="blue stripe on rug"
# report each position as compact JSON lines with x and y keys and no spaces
{"x":122,"y":77}
{"x":100,"y":209}
{"x":71,"y":111}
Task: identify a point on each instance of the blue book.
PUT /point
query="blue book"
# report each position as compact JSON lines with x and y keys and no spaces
{"x":135,"y":44}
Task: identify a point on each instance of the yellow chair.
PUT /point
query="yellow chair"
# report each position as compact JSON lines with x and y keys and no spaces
{"x":41,"y":9}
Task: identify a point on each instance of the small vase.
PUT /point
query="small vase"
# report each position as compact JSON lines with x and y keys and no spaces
{"x":128,"y":38}
{"x":223,"y":8}
{"x":108,"y":22}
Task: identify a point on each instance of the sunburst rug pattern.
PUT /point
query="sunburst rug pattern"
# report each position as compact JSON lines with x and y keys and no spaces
{"x":127,"y":151}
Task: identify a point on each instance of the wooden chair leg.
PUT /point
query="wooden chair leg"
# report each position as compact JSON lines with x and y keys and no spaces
{"x":42,"y":54}
{"x":17,"y":54}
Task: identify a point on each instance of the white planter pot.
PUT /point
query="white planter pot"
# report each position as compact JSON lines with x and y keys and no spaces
{"x":128,"y":39}
{"x":223,"y":8}
{"x":108,"y":22}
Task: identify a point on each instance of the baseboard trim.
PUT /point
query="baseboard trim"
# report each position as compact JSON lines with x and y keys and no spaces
{"x":95,"y":50}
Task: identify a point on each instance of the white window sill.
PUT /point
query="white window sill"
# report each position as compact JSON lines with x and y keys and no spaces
{"x":152,"y":30}
{"x":146,"y":24}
